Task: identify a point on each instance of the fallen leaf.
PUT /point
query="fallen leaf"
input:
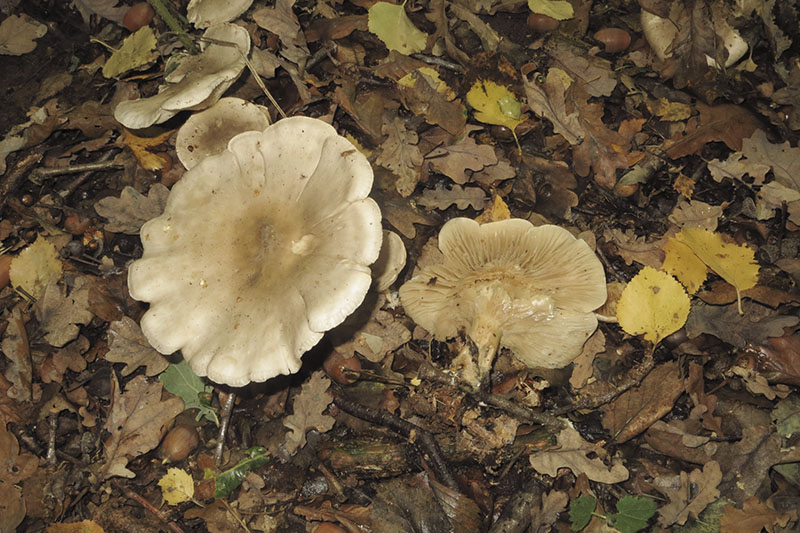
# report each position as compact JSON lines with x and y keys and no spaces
{"x":632,"y":247}
{"x":141,"y":148}
{"x":495,"y":104}
{"x":12,"y":506}
{"x":574,"y":452}
{"x":696,"y":490}
{"x":696,"y":214}
{"x":633,"y":411}
{"x":558,"y":9}
{"x":632,"y":514}
{"x":307,"y":411}
{"x":654,"y":304}
{"x":546,"y":98}
{"x":786,"y":416}
{"x":182,"y":382}
{"x":137,"y":50}
{"x":392,"y":26}
{"x":593,"y":71}
{"x":734,"y":263}
{"x":281,"y":20}
{"x":782,"y":158}
{"x":370,"y":331}
{"x":18,"y":34}
{"x":61,"y":309}
{"x":16,"y":350}
{"x":443,"y":197}
{"x":755,"y":326}
{"x":35,"y":266}
{"x":728,"y":123}
{"x":465,"y":155}
{"x":681,"y":262}
{"x":177,"y":486}
{"x":127,"y":213}
{"x":136,"y":423}
{"x":84,"y":526}
{"x":754,"y":516}
{"x":127,"y":344}
{"x":401,"y":155}
{"x":425,"y":94}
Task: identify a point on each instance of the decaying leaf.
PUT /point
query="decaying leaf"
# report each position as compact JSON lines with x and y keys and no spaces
{"x":401,"y":155}
{"x":307,"y":411}
{"x":136,"y":423}
{"x":443,"y":197}
{"x":425,"y":94}
{"x":755,"y":326}
{"x":654,"y":304}
{"x":693,"y":493}
{"x":127,"y":344}
{"x":35,"y":266}
{"x":754,"y":516}
{"x":16,"y":349}
{"x":546,"y":98}
{"x":61,"y":309}
{"x":127,"y":213}
{"x":574,"y":453}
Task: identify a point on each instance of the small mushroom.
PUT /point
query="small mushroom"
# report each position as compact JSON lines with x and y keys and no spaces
{"x":197,"y":83}
{"x":208,"y":132}
{"x":508,"y":283}
{"x":390,"y":262}
{"x":260,"y":250}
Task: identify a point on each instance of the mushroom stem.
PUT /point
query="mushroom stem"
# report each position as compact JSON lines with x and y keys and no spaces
{"x":476,"y":357}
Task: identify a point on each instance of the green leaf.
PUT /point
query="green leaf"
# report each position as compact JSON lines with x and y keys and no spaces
{"x":137,"y":51}
{"x":182,"y":382}
{"x":229,"y":480}
{"x":632,"y":514}
{"x":392,"y":26}
{"x":787,"y":416}
{"x":580,"y":511}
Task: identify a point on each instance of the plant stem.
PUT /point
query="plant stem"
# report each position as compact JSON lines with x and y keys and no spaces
{"x":163,"y":11}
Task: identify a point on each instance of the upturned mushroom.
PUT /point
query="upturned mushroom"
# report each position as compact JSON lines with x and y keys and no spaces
{"x":260,"y":250}
{"x":530,"y":289}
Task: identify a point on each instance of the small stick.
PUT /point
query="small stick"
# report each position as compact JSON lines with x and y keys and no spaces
{"x":225,"y":420}
{"x":414,"y":433}
{"x":38,"y":173}
{"x":147,"y":505}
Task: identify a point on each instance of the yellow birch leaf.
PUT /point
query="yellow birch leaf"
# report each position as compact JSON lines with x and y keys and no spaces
{"x":497,"y":211}
{"x":681,"y":262}
{"x":177,"y":486}
{"x":558,"y":9}
{"x":654,"y":304}
{"x":392,"y":26}
{"x":732,"y":262}
{"x":495,"y":104}
{"x":140,"y":148}
{"x":35,"y":266}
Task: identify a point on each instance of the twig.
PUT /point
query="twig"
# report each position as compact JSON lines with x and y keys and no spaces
{"x":147,"y":505}
{"x":431,"y":373}
{"x":225,"y":420}
{"x":15,"y":174}
{"x":36,"y":175}
{"x":415,"y":434}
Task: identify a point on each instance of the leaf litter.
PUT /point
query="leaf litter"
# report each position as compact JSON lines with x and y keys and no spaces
{"x":689,"y":197}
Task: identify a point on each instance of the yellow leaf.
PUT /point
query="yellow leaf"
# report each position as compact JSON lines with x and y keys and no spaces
{"x":654,"y":304}
{"x":392,"y":26}
{"x":681,"y":262}
{"x":684,"y":185}
{"x":410,"y":79}
{"x":558,"y":9}
{"x":177,"y":486}
{"x":495,"y":104}
{"x":139,"y":146}
{"x":733,"y":263}
{"x":35,"y":266}
{"x":497,"y":211}
{"x":137,"y":51}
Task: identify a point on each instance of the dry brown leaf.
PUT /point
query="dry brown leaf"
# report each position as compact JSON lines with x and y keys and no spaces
{"x":456,"y":160}
{"x":637,"y":409}
{"x":573,"y":453}
{"x":427,"y":98}
{"x":443,"y":197}
{"x":307,"y":411}
{"x":281,"y":20}
{"x":631,"y":247}
{"x":12,"y":506}
{"x":14,"y":466}
{"x":782,"y":158}
{"x":696,"y":214}
{"x":728,"y":123}
{"x":593,"y":71}
{"x":704,"y":404}
{"x":696,"y":491}
{"x":547,"y":99}
{"x":371,"y":332}
{"x":400,"y":214}
{"x":724,"y":322}
{"x":127,"y":213}
{"x":16,"y":349}
{"x":754,"y":516}
{"x":584,"y":367}
{"x":127,"y":344}
{"x":401,"y":155}
{"x":60,"y":312}
{"x":68,"y":357}
{"x":136,"y":423}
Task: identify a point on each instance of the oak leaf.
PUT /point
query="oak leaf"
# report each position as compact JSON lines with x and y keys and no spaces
{"x":443,"y":197}
{"x":574,"y":453}
{"x":697,"y":489}
{"x":127,"y":213}
{"x":754,"y":516}
{"x":127,"y":344}
{"x":401,"y":155}
{"x":465,"y":155}
{"x":60,"y":311}
{"x":307,"y":411}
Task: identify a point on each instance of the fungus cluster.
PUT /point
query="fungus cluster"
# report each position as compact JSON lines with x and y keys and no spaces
{"x":508,"y":283}
{"x":260,"y":250}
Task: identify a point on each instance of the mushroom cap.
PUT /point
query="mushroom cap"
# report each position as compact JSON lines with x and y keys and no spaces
{"x":205,"y":13}
{"x":260,"y":250}
{"x":390,"y":262}
{"x":536,"y":286}
{"x":197,"y":83}
{"x":208,"y":132}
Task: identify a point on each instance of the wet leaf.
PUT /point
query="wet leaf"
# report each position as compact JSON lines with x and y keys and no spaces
{"x":229,"y":480}
{"x":654,"y":304}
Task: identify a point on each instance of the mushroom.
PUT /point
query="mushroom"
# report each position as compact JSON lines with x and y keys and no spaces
{"x":197,"y":83}
{"x":205,"y":13}
{"x":508,"y":283}
{"x":390,"y":262}
{"x":260,"y":250}
{"x":208,"y":132}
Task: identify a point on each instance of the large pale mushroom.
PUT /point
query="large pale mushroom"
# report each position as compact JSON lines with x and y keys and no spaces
{"x":260,"y":250}
{"x":508,"y":283}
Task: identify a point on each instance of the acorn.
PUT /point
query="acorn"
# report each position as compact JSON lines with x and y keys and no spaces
{"x":614,"y":39}
{"x":179,"y":443}
{"x":335,"y":364}
{"x":138,"y":16}
{"x":539,"y":22}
